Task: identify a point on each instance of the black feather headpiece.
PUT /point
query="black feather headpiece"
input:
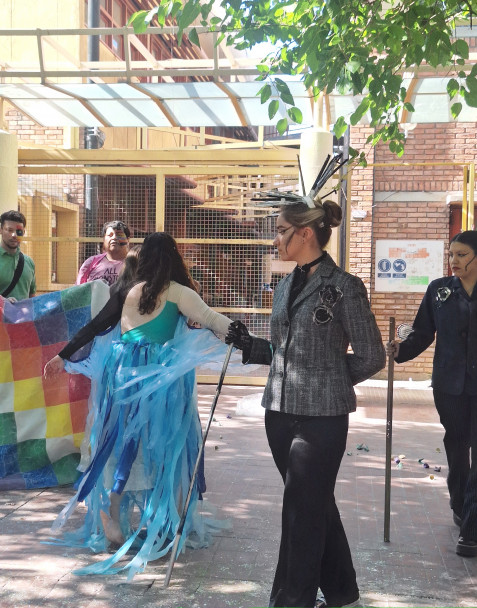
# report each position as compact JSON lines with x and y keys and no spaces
{"x":275,"y":198}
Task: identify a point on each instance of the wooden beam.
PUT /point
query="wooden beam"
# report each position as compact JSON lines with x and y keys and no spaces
{"x":99,"y":117}
{"x":193,"y":170}
{"x":222,"y":156}
{"x":410,"y":92}
{"x":146,"y":53}
{"x":235,"y":102}
{"x":170,"y":117}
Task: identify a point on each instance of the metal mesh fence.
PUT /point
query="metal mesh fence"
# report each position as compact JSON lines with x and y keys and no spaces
{"x":225,"y":240}
{"x":128,"y":198}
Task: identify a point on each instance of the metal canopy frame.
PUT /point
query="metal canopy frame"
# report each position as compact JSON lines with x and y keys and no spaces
{"x":190,"y":104}
{"x":54,"y":92}
{"x":215,"y":67}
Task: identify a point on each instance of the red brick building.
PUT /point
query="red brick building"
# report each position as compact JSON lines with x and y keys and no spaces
{"x":395,"y":200}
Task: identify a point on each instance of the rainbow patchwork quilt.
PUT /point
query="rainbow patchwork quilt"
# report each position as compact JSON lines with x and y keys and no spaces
{"x":42,"y":422}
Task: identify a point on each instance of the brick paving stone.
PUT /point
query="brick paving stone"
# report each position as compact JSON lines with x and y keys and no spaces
{"x":418,"y":567}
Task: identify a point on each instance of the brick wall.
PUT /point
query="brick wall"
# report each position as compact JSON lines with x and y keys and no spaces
{"x":361,"y":198}
{"x":409,"y":219}
{"x":27,"y":130}
{"x":417,"y":218}
{"x":429,"y":143}
{"x":405,"y":220}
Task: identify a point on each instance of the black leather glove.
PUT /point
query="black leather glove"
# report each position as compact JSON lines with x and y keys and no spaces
{"x":238,"y":336}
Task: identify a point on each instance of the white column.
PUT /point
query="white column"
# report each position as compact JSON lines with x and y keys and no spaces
{"x":315,"y":145}
{"x":8,"y":172}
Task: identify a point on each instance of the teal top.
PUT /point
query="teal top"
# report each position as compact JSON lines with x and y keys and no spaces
{"x":160,"y":329}
{"x":26,"y":285}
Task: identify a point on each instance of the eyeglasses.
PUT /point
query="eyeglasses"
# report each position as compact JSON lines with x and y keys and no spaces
{"x":282,"y":231}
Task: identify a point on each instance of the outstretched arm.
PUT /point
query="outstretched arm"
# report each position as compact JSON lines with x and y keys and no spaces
{"x":193,"y":307}
{"x":107,"y":318}
{"x":254,"y":350}
{"x":423,"y":332}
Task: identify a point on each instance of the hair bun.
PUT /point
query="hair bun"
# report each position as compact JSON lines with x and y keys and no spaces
{"x":333,"y":213}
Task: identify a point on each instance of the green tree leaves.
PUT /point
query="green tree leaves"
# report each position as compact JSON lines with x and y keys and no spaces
{"x":352,"y":46}
{"x":452,"y":88}
{"x":340,"y":126}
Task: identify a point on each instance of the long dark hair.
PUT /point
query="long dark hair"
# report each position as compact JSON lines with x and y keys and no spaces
{"x":159,"y":263}
{"x":127,"y":275}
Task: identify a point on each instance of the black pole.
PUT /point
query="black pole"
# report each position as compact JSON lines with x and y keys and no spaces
{"x":91,"y":140}
{"x":343,"y":202}
{"x":93,"y":21}
{"x":389,"y":435}
{"x":180,"y":528}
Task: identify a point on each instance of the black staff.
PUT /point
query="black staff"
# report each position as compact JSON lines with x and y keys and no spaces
{"x":389,"y":435}
{"x":403,"y":331}
{"x":197,"y":462}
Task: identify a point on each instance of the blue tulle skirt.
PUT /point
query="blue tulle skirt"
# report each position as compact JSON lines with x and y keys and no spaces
{"x":144,"y":441}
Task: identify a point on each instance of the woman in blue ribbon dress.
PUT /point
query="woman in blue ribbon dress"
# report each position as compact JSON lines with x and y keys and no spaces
{"x":145,"y":432}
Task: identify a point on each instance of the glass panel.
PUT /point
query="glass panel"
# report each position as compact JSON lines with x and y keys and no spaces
{"x":431,"y":108}
{"x":117,"y":45}
{"x":118,"y":14}
{"x":141,"y":113}
{"x":432,"y":85}
{"x":67,"y":113}
{"x":30,"y":91}
{"x":104,"y":22}
{"x":189,"y":90}
{"x":104,"y":91}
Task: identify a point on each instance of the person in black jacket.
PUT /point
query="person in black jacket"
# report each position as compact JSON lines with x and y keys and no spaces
{"x":319,"y":310}
{"x":449,"y":312}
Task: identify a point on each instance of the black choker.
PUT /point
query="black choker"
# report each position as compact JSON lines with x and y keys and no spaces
{"x":299,"y":278}
{"x":306,"y":267}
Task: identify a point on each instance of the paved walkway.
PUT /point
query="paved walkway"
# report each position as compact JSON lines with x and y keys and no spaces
{"x":418,"y":567}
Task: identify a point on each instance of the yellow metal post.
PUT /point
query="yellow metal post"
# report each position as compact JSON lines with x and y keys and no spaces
{"x":160,"y":201}
{"x":349,"y":177}
{"x":470,"y":210}
{"x":465,"y":204}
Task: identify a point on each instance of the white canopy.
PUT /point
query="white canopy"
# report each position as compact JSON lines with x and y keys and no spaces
{"x":201,"y":104}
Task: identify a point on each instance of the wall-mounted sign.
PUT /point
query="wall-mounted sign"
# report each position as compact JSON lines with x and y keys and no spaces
{"x":407,"y":265}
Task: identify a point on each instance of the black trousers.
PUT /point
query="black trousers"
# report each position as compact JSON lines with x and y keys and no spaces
{"x":314,"y":550}
{"x":458,"y":414}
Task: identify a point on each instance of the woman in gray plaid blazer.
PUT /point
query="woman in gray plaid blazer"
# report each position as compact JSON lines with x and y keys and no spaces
{"x":318,"y":312}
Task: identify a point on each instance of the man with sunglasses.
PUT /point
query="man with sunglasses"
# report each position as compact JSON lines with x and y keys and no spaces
{"x":17,"y":270}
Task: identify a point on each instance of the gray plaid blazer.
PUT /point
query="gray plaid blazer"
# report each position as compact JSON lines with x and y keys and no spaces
{"x":312,"y":373}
